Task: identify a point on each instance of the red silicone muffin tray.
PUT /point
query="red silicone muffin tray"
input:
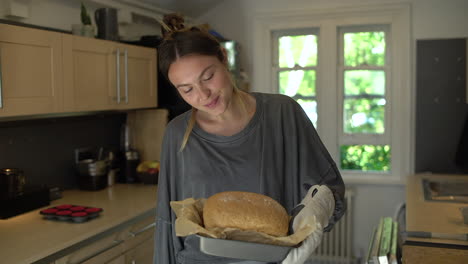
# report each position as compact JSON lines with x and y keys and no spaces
{"x":71,"y":213}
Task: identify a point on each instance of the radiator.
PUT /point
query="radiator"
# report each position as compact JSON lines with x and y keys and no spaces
{"x":336,"y":246}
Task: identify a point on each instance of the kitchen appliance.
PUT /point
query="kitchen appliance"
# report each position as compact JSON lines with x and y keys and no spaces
{"x":106,"y":21}
{"x":12,"y":182}
{"x":129,"y":159}
{"x":17,"y":197}
{"x":33,"y":197}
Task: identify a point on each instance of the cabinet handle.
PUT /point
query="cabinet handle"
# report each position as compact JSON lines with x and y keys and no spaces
{"x":1,"y":95}
{"x":112,"y":245}
{"x":134,"y":234}
{"x":126,"y":75}
{"x":118,"y":74}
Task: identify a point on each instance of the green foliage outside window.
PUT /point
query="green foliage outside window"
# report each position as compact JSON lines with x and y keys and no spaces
{"x":364,"y":91}
{"x":364,"y":101}
{"x":364,"y":48}
{"x":365,"y":157}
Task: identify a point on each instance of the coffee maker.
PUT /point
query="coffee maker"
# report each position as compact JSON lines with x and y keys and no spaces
{"x":128,"y":158}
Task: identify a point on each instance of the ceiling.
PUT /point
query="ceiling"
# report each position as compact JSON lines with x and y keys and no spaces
{"x":190,"y":8}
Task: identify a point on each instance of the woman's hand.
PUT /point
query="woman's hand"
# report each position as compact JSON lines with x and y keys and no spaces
{"x":318,"y":203}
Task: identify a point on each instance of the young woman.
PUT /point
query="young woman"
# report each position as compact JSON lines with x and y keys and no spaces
{"x":237,"y":141}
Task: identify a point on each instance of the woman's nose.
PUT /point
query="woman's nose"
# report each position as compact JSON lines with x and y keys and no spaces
{"x":205,"y":92}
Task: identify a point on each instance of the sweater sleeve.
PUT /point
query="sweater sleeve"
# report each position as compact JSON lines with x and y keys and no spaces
{"x":325,"y":168}
{"x":163,"y":244}
{"x":166,"y":243}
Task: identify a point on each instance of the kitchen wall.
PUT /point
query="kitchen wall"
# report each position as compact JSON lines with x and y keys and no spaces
{"x":44,"y":148}
{"x":135,"y":21}
{"x":233,"y":19}
{"x":429,"y":19}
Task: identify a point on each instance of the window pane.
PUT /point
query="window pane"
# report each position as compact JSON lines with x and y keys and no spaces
{"x":300,"y":83}
{"x":366,"y":157}
{"x":300,"y":50}
{"x":364,"y":48}
{"x":310,"y":107}
{"x":364,"y":116}
{"x":358,"y":82}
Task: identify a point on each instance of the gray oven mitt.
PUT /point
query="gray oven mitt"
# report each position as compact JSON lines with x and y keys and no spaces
{"x":319,"y":203}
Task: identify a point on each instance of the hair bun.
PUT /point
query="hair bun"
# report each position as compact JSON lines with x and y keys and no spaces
{"x":171,"y":23}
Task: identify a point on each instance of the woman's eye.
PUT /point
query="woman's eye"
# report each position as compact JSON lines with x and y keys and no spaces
{"x":188,"y":90}
{"x":207,"y":78}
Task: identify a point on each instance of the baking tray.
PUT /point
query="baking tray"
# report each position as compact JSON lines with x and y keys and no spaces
{"x":242,"y":250}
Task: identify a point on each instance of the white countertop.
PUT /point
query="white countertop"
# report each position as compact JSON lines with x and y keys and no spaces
{"x":28,"y":237}
{"x":433,"y":216}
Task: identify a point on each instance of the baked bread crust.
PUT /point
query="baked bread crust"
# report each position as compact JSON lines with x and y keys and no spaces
{"x":246,"y":211}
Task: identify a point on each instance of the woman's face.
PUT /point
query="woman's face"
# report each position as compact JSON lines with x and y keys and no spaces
{"x":203,"y":82}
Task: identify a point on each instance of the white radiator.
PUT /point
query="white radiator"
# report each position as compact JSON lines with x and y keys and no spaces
{"x":336,"y":246}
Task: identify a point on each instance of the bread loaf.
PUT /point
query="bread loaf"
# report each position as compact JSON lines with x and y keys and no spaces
{"x":246,"y":211}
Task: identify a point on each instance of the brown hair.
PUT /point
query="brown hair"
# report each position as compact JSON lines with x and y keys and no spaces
{"x":191,"y":41}
{"x":184,"y":42}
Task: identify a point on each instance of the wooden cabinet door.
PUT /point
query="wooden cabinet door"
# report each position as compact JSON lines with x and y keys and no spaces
{"x":30,"y":71}
{"x":141,"y":254}
{"x":90,"y":74}
{"x":108,"y":249}
{"x":138,"y":77}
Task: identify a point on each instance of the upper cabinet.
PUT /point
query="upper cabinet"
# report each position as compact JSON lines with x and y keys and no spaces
{"x":48,"y":72}
{"x":138,"y":76}
{"x":30,"y":71}
{"x":105,"y":75}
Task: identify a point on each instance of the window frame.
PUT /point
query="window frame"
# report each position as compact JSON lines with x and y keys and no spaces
{"x":329,"y":22}
{"x":275,"y":51}
{"x":370,"y":138}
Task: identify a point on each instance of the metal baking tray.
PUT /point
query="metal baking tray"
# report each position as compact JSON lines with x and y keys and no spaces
{"x":242,"y":250}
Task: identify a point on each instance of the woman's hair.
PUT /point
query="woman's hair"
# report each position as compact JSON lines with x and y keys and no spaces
{"x":184,"y":42}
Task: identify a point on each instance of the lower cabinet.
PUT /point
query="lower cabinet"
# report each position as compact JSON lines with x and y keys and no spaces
{"x":133,"y":244}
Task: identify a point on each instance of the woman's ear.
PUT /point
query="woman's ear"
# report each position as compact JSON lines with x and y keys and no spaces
{"x":225,"y":56}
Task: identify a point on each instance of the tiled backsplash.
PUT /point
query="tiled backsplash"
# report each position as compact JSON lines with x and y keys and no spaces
{"x":44,"y":148}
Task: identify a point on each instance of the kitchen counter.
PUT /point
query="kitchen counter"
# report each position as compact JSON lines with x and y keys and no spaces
{"x":28,"y":238}
{"x":433,"y":216}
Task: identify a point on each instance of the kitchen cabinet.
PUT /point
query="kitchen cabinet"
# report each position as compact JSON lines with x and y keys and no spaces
{"x":44,"y":72}
{"x":30,"y":71}
{"x":105,"y":75}
{"x":138,"y":77}
{"x":132,"y":244}
{"x":89,"y":68}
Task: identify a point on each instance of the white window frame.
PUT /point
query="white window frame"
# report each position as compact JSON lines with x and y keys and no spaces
{"x":328,"y":22}
{"x":275,"y":67}
{"x":366,"y":139}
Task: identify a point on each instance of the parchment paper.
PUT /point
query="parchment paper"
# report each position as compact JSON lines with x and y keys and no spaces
{"x":189,"y":221}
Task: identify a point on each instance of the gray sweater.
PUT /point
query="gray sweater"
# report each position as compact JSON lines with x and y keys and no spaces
{"x":278,"y":154}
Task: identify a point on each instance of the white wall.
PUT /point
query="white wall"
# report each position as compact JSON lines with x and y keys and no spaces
{"x":62,"y":14}
{"x":430,"y":19}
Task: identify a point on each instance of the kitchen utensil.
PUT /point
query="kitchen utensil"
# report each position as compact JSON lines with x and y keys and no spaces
{"x":71,"y":213}
{"x":12,"y":181}
{"x":106,"y":21}
{"x":91,"y":167}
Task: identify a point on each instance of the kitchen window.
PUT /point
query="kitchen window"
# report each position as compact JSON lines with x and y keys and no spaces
{"x":350,"y":75}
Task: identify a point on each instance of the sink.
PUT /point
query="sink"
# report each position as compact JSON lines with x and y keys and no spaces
{"x":452,"y":191}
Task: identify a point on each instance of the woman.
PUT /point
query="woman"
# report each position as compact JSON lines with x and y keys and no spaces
{"x":237,"y":141}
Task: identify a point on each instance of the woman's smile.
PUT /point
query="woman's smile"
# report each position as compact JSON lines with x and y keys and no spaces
{"x":213,"y":103}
